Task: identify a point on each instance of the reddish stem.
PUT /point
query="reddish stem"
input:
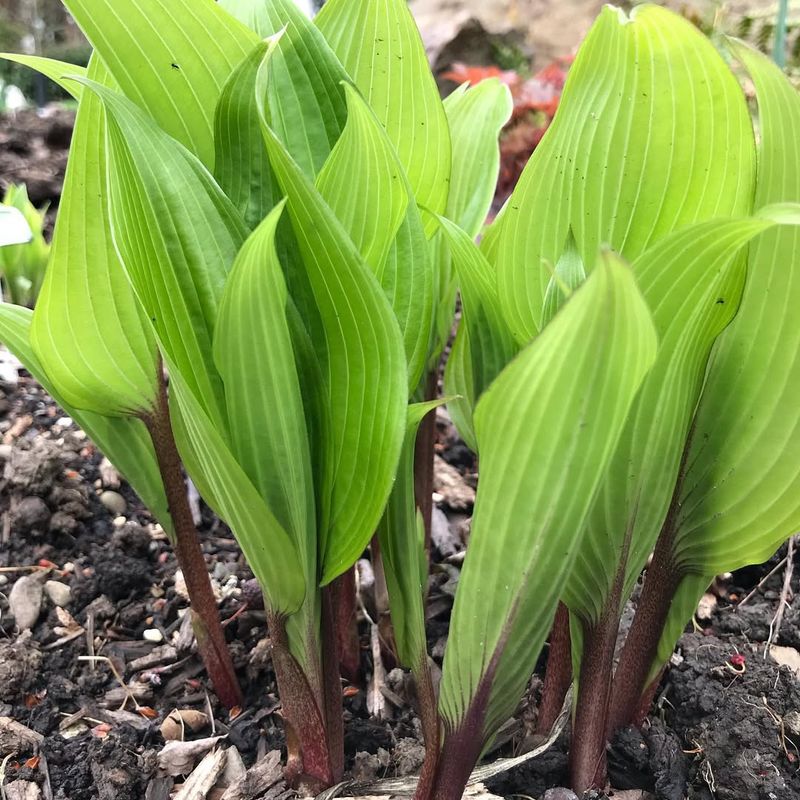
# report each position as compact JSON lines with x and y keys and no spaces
{"x":423,"y":459}
{"x":211,"y":642}
{"x":344,"y":604}
{"x":558,"y":675}
{"x":332,"y":686}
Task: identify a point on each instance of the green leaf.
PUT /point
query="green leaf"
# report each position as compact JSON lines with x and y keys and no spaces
{"x":740,"y":496}
{"x":652,"y":134}
{"x":546,"y":428}
{"x":487,"y":342}
{"x":303,"y":82}
{"x":692,"y":281}
{"x":360,"y":350}
{"x":89,"y":331}
{"x":241,"y":166}
{"x":381,"y":49}
{"x":364,"y":184}
{"x":568,"y":275}
{"x":177,"y":235}
{"x":476,"y":115}
{"x":57,"y":71}
{"x":124,"y":440}
{"x":268,"y":548}
{"x":254,"y":354}
{"x":170,"y":57}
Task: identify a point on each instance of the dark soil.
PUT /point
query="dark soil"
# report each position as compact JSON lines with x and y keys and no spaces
{"x":718,"y":730}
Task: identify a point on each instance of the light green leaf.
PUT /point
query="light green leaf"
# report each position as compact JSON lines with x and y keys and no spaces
{"x":364,"y":184}
{"x":740,"y":496}
{"x":652,"y":134}
{"x":170,"y":57}
{"x":123,"y":440}
{"x":89,"y":331}
{"x":381,"y":49}
{"x":486,"y":339}
{"x":303,"y":83}
{"x":476,"y":115}
{"x":266,"y":545}
{"x":362,"y":364}
{"x":692,"y":281}
{"x":546,"y":428}
{"x":177,"y":235}
{"x":253,"y":352}
{"x":53,"y":69}
{"x":241,"y":166}
{"x":568,"y":275}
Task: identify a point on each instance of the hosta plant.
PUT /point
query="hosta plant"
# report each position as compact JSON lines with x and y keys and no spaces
{"x":22,"y":266}
{"x":264,"y":223}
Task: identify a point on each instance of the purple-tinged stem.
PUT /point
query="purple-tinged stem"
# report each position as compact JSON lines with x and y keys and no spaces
{"x":558,"y":675}
{"x":208,"y":631}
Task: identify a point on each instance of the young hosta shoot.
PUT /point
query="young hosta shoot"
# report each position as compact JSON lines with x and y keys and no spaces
{"x":22,"y":266}
{"x":736,"y":498}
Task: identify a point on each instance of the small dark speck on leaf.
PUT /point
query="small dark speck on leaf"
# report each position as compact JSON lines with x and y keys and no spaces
{"x":720,"y":301}
{"x":174,"y":65}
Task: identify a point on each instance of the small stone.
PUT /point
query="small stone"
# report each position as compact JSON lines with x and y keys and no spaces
{"x":59,"y":593}
{"x":791,"y":722}
{"x":64,"y":422}
{"x":120,"y":521}
{"x":153,"y":635}
{"x":114,"y":502}
{"x":31,"y":514}
{"x":25,"y":601}
{"x":5,"y":451}
{"x":559,"y":793}
{"x":3,"y":580}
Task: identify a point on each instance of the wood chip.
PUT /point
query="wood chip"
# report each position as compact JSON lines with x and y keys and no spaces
{"x":20,"y":425}
{"x":263,"y":780}
{"x":16,"y":737}
{"x":204,"y":776}
{"x":179,"y":758}
{"x":22,"y":790}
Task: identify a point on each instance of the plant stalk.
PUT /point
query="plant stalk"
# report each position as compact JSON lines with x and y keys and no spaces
{"x":641,"y":646}
{"x":208,"y":631}
{"x":332,"y":686}
{"x":558,"y":674}
{"x":344,"y":606}
{"x":588,"y":748}
{"x":423,"y":459}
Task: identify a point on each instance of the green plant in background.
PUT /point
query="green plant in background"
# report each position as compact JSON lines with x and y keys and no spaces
{"x":22,"y":266}
{"x":280,"y":211}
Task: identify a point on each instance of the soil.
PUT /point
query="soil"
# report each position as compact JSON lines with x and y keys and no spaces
{"x":84,"y":691}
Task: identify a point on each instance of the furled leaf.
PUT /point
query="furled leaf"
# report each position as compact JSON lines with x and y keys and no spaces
{"x":360,"y":351}
{"x":380,"y":47}
{"x":177,"y":235}
{"x":487,"y":342}
{"x":475,"y":115}
{"x":53,"y":69}
{"x":253,"y":352}
{"x":402,"y":544}
{"x":303,"y":82}
{"x":568,"y":274}
{"x":268,"y":548}
{"x":170,"y":57}
{"x":740,"y":495}
{"x":241,"y":166}
{"x":692,"y":281}
{"x":364,"y":184}
{"x":124,"y":440}
{"x":652,"y":134}
{"x":88,"y":330}
{"x":546,"y":429}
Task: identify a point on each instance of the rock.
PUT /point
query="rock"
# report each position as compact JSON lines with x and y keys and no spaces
{"x":786,"y":657}
{"x":559,"y":793}
{"x":153,"y":635}
{"x":20,"y":663}
{"x":25,"y":601}
{"x":22,"y":790}
{"x":791,"y":722}
{"x":5,"y":451}
{"x":706,"y":607}
{"x":449,"y":483}
{"x":114,"y":502}
{"x":59,"y":593}
{"x":33,"y":471}
{"x":31,"y":514}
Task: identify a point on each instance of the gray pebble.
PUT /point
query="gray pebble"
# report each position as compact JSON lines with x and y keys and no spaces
{"x":114,"y":502}
{"x":25,"y":601}
{"x":59,"y":593}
